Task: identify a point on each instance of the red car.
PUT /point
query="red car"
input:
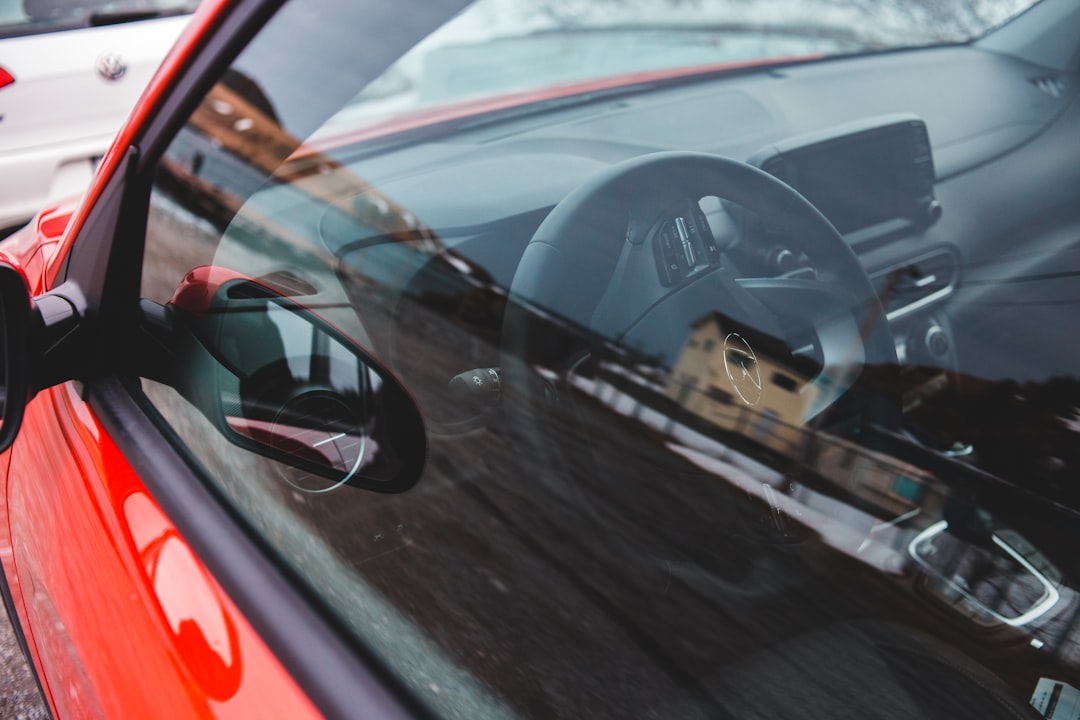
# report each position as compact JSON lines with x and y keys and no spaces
{"x":561,"y":359}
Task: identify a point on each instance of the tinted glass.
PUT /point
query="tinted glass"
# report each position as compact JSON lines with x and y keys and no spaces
{"x":695,"y":446}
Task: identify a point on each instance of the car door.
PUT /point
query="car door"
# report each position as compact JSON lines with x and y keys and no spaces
{"x":464,"y":415}
{"x":139,"y":593}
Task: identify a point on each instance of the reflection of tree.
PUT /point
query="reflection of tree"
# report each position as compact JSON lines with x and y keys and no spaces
{"x":572,"y":12}
{"x":935,"y":19}
{"x":951,"y":18}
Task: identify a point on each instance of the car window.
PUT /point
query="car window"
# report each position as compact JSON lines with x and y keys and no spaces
{"x":687,"y":394}
{"x":32,"y":17}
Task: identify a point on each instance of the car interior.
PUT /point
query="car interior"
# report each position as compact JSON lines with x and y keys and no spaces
{"x":745,"y":392}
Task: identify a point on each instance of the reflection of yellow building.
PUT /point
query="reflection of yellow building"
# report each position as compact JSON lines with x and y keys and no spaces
{"x":733,"y":380}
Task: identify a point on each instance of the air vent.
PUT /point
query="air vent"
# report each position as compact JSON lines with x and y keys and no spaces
{"x":1052,"y":85}
{"x":914,"y":284}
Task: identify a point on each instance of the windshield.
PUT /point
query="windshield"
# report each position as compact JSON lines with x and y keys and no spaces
{"x":31,"y":17}
{"x":499,"y":47}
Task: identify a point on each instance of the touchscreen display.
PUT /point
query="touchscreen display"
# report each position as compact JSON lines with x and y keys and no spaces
{"x":861,"y":177}
{"x":855,"y":184}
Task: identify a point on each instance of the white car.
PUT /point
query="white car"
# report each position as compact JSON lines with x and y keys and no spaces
{"x":70,"y":72}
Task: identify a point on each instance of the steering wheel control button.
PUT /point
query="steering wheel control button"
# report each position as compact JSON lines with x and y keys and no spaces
{"x":703,"y":233}
{"x":668,"y":253}
{"x":684,"y":240}
{"x":684,"y":244}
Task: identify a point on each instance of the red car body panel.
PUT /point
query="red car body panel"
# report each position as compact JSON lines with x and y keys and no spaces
{"x":120,"y":606}
{"x":31,"y":249}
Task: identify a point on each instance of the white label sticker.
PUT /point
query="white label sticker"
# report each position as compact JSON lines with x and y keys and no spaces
{"x":1056,"y":700}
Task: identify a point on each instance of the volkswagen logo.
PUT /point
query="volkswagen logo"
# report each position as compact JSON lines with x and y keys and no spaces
{"x":111,"y":66}
{"x":741,"y":366}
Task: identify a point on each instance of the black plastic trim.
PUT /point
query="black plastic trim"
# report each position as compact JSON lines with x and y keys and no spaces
{"x":17,"y":318}
{"x":86,"y":264}
{"x":315,"y":652}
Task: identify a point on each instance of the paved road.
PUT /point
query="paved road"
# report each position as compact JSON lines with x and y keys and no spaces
{"x":19,"y":696}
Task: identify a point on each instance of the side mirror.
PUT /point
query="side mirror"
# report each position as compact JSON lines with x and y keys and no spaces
{"x":280,"y":381}
{"x":15,"y":313}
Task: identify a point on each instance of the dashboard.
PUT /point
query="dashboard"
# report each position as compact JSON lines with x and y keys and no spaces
{"x":965,"y":155}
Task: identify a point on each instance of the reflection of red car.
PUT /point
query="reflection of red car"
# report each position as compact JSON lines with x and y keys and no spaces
{"x":529,"y":361}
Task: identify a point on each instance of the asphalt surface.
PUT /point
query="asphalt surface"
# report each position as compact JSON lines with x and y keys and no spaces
{"x":19,"y":695}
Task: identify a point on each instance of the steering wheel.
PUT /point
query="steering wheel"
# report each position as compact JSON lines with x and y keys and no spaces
{"x":592,"y":273}
{"x":590,"y":308}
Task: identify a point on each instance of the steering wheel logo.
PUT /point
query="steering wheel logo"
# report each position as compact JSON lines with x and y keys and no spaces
{"x":741,"y":366}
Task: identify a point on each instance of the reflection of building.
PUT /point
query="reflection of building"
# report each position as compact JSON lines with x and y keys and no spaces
{"x":733,"y":380}
{"x":884,"y":481}
{"x":284,"y":213}
{"x":897,"y":516}
{"x":239,"y":126}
